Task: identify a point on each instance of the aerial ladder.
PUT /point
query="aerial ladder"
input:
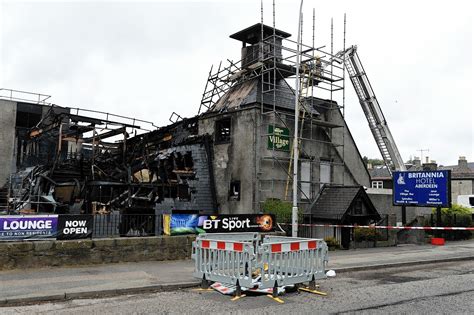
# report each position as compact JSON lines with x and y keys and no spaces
{"x":377,"y":123}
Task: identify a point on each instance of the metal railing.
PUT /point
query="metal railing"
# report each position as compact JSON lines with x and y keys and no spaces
{"x":17,"y":95}
{"x":129,"y":225}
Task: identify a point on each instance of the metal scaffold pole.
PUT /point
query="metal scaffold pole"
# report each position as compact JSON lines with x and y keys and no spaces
{"x":294,"y":212}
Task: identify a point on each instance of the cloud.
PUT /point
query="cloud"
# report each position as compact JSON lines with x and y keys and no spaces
{"x":148,"y":59}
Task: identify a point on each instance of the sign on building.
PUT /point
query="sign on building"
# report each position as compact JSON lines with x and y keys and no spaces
{"x":220,"y":223}
{"x":422,"y":188}
{"x":28,"y":227}
{"x":75,"y":227}
{"x":33,"y":227}
{"x":239,"y":223}
{"x":278,"y":138}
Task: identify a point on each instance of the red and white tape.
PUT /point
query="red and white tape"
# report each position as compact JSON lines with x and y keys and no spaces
{"x":388,"y":227}
{"x":229,"y":246}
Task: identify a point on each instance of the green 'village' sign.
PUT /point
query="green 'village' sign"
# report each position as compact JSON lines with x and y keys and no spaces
{"x":278,"y":139}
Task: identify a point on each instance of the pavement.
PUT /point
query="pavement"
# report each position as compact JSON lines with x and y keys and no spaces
{"x":62,"y":283}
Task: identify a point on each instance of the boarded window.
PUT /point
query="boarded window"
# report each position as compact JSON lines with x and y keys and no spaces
{"x":324,"y":173}
{"x":305,"y":180}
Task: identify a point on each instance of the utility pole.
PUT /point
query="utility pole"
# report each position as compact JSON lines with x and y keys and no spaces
{"x":294,"y":210}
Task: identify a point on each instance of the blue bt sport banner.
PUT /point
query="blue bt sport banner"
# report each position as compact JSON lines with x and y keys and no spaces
{"x":176,"y":224}
{"x":422,"y":188}
{"x":34,"y":227}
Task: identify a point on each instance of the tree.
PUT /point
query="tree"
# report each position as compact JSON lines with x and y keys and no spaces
{"x":373,"y":162}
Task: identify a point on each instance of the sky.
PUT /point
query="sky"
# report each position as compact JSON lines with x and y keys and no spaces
{"x":148,"y":59}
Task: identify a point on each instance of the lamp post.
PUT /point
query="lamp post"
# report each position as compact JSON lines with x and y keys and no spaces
{"x":294,"y":210}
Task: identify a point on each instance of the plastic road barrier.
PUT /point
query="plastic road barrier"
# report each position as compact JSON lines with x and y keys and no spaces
{"x":227,"y":258}
{"x":241,"y":259}
{"x":292,"y":260}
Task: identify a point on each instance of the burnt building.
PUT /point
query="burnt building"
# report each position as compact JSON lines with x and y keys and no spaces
{"x":231,"y":158}
{"x":65,"y":160}
{"x":248,"y":108}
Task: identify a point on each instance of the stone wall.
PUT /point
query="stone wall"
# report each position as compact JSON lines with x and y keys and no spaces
{"x":36,"y":254}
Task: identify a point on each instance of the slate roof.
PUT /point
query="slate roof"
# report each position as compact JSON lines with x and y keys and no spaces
{"x":379,"y":173}
{"x":334,"y":201}
{"x":456,"y":171}
{"x":460,"y":172}
{"x":249,"y":92}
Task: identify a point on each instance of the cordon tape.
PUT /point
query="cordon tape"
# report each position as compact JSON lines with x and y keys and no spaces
{"x":388,"y":227}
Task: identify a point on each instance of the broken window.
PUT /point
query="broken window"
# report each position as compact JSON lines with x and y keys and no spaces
{"x":223,"y":130}
{"x":234,"y":192}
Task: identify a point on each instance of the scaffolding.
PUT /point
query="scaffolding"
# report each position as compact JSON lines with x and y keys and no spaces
{"x":272,"y":62}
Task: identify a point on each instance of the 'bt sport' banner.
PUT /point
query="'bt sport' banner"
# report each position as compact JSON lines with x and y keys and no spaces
{"x":61,"y":227}
{"x":196,"y":224}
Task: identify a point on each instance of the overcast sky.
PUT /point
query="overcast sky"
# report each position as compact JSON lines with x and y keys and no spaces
{"x":147,"y":59}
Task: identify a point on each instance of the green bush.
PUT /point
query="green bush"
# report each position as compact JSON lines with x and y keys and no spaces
{"x":332,"y":242}
{"x":455,"y":209}
{"x":281,"y":209}
{"x":366,"y":234}
{"x":458,"y":216}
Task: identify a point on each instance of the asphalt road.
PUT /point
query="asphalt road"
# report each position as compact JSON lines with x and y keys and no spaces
{"x":436,"y":288}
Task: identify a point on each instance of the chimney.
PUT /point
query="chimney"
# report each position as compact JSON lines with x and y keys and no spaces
{"x":430,"y":166}
{"x":462,"y":163}
{"x":427,"y":159}
{"x":416,"y":162}
{"x":251,"y":39}
{"x":369,"y":166}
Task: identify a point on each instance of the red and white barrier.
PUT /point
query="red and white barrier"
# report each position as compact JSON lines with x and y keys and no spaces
{"x":229,"y":246}
{"x":293,"y":246}
{"x":388,"y":227}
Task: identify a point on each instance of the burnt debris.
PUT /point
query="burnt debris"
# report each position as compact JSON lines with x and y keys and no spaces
{"x":75,"y":164}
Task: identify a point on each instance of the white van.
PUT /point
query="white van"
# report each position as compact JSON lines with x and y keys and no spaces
{"x":466,"y":201}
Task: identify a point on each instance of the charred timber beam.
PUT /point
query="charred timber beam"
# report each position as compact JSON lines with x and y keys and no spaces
{"x":106,"y":135}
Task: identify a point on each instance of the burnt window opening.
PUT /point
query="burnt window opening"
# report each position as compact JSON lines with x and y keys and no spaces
{"x":27,"y":120}
{"x":223,"y":130}
{"x":180,"y":164}
{"x":234,"y":192}
{"x":188,"y":161}
{"x":28,"y":115}
{"x":192,"y":127}
{"x":183,"y":192}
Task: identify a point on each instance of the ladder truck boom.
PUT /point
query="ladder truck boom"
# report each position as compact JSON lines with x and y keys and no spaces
{"x":372,"y":110}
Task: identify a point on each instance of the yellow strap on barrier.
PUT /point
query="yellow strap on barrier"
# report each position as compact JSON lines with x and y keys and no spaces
{"x":313,"y":291}
{"x":277,"y":299}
